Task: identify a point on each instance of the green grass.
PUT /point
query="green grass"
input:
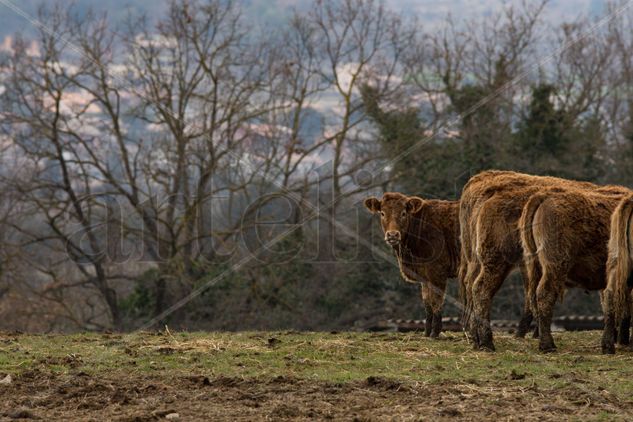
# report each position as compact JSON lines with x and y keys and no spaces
{"x":326,"y":357}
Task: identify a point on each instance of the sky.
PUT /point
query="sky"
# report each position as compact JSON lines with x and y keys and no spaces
{"x":270,"y":12}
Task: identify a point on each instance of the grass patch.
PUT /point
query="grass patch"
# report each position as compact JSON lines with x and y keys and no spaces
{"x":328,"y":357}
{"x":261,"y":374}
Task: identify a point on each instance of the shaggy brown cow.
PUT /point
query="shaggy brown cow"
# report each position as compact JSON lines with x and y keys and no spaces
{"x":490,"y":208}
{"x":564,"y":234}
{"x":424,"y":235}
{"x":616,"y":298}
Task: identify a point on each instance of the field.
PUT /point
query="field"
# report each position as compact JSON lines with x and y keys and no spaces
{"x":291,"y":375}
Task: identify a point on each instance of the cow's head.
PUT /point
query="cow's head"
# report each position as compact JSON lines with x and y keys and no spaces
{"x":396,"y":211}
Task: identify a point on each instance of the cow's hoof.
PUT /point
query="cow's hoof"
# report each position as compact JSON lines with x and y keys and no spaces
{"x":490,"y":348}
{"x":608,"y":349}
{"x":547,"y":348}
{"x":487,"y":346}
{"x":522,"y":330}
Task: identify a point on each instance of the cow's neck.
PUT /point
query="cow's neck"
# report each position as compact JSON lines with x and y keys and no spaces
{"x":411,"y":244}
{"x":407,"y":252}
{"x":406,"y":263}
{"x":417,"y":248}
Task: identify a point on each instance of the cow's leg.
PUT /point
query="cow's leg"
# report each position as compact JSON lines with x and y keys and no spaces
{"x":609,"y":330}
{"x":428,"y":322}
{"x":468,"y":323}
{"x":437,"y":290}
{"x":527,"y":317}
{"x":437,"y":324}
{"x":627,"y":316}
{"x":612,"y":332}
{"x":624,"y":331}
{"x":547,"y":293}
{"x":608,"y":334}
{"x":530,"y":302}
{"x":524,"y":323}
{"x":484,"y":289}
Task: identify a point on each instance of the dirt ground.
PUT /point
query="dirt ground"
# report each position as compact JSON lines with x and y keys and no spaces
{"x":58,"y":385}
{"x":79,"y":396}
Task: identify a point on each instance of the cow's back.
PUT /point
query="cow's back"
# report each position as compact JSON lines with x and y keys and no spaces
{"x":571,"y":232}
{"x":509,"y":191}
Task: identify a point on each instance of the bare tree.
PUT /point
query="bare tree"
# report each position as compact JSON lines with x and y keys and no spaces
{"x":472,"y":73}
{"x":45,"y":125}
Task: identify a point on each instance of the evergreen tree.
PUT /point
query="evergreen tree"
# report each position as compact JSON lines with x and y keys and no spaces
{"x":432,"y":168}
{"x":554,"y":141}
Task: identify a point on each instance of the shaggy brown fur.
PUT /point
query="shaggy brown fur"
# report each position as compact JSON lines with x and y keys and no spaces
{"x":616,"y":303}
{"x":490,"y":208}
{"x":424,"y":235}
{"x":564,"y":237}
{"x":428,"y":249}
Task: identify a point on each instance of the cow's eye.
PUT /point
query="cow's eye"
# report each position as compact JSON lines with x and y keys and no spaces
{"x":382,"y":213}
{"x":404,"y":213}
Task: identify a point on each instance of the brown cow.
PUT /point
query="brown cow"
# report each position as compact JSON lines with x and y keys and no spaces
{"x":424,"y":235}
{"x":616,"y":298}
{"x":490,"y":208}
{"x":564,"y":234}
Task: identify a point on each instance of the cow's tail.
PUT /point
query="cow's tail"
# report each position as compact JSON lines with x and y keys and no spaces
{"x":465,"y":258}
{"x":619,"y":261}
{"x":530,"y":248}
{"x":464,"y":238}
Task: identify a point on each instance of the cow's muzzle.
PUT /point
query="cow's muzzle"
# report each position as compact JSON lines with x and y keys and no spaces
{"x":392,"y":237}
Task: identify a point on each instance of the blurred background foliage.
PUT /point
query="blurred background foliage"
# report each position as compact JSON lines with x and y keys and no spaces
{"x":230,"y":165}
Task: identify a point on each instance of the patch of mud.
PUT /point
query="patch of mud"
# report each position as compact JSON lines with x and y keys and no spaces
{"x":384,"y":384}
{"x":126,"y":396}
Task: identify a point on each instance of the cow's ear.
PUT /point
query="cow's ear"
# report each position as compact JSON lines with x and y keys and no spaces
{"x":372,"y":204}
{"x":414,"y":204}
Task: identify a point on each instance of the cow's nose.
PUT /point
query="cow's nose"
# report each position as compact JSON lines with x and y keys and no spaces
{"x":392,"y":236}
